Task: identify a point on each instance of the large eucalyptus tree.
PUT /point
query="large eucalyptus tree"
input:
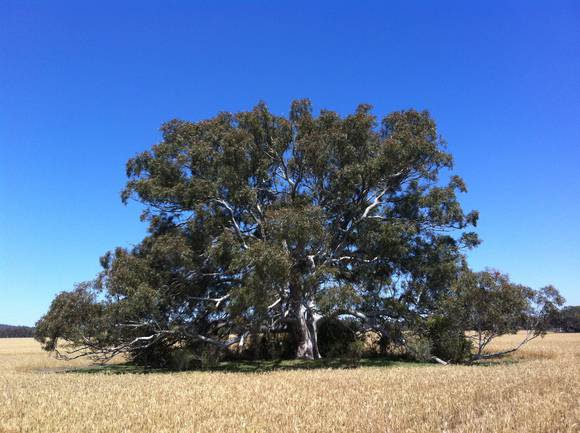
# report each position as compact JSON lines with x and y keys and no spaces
{"x":262,"y":223}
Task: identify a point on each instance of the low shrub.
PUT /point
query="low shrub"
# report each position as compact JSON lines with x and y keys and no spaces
{"x":419,"y":348}
{"x":448,"y":341}
{"x":335,"y":337}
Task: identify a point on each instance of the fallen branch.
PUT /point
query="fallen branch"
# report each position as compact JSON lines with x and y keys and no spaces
{"x":439,"y":360}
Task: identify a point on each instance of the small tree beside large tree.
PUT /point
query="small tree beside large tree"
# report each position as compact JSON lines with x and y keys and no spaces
{"x":487,"y":305}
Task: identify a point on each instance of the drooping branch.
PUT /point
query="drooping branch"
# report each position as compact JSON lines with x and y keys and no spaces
{"x":104,"y":353}
{"x":530,"y":335}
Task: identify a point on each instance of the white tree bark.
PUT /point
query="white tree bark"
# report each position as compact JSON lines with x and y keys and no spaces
{"x":307,"y":335}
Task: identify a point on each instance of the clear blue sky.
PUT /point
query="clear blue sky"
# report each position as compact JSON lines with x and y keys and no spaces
{"x":84,"y":87}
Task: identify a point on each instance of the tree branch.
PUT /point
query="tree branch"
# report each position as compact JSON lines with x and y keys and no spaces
{"x":226,"y":205}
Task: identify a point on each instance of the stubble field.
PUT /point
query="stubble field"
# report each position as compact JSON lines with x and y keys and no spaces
{"x":537,"y":391}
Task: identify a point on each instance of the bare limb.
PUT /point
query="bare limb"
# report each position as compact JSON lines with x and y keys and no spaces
{"x":230,"y":210}
{"x":217,"y":301}
{"x":530,"y":335}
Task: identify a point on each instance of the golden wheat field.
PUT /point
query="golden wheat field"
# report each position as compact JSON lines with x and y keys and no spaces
{"x":538,"y":393}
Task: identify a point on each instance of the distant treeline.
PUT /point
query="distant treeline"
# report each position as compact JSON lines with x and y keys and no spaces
{"x":9,"y":331}
{"x":567,"y":319}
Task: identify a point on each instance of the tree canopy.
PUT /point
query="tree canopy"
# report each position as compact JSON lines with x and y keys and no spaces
{"x":262,"y":224}
{"x":487,"y":304}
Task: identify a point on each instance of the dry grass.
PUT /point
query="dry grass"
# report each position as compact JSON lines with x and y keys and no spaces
{"x":539,"y":393}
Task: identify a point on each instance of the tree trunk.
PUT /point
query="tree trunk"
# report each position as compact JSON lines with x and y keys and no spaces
{"x":306,"y":335}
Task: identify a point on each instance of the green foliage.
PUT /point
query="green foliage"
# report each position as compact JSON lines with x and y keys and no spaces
{"x":448,"y":340}
{"x":262,"y":224}
{"x":419,"y":348}
{"x":488,"y":304}
{"x":335,"y":337}
{"x":210,"y":357}
{"x":9,"y":331}
{"x":184,"y":359}
{"x":159,"y":355}
{"x":568,"y":319}
{"x":71,"y":316}
{"x":354,"y":353}
{"x":273,"y":346}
